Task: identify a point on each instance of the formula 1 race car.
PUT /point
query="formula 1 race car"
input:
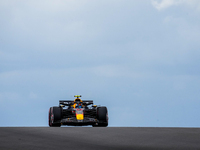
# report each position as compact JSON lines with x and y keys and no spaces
{"x":78,"y":113}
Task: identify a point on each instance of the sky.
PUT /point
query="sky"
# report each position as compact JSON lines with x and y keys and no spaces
{"x":141,"y":59}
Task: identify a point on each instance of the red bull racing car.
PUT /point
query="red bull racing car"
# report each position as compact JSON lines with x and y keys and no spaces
{"x":78,"y":113}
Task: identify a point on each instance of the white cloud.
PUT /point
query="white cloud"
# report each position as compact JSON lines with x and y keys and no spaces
{"x":163,"y":4}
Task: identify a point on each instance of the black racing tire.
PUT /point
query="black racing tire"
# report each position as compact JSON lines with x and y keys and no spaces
{"x":57,"y":115}
{"x":49,"y":119}
{"x":102,"y":116}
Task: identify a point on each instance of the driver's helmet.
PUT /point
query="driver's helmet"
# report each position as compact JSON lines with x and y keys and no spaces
{"x":79,"y":105}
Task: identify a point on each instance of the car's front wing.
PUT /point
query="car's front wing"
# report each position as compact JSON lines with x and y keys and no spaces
{"x":74,"y":121}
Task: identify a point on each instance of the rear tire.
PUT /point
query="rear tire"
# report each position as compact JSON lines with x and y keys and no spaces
{"x":55,"y":115}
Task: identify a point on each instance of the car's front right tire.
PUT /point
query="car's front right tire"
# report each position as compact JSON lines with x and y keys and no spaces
{"x":102,"y":116}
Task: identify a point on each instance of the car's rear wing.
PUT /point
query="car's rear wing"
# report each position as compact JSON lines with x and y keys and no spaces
{"x":71,"y":102}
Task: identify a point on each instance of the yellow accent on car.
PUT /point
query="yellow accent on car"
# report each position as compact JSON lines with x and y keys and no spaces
{"x":74,"y":105}
{"x":78,"y":100}
{"x":77,"y":96}
{"x":79,"y":117}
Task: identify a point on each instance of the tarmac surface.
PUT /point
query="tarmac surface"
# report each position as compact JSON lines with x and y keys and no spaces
{"x":98,"y":138}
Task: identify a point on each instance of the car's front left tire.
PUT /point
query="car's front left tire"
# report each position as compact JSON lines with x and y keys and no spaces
{"x":55,"y":115}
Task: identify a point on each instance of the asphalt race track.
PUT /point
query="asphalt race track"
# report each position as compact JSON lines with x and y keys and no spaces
{"x":89,"y":138}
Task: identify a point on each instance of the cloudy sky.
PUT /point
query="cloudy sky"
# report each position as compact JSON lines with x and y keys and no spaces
{"x":141,"y":59}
